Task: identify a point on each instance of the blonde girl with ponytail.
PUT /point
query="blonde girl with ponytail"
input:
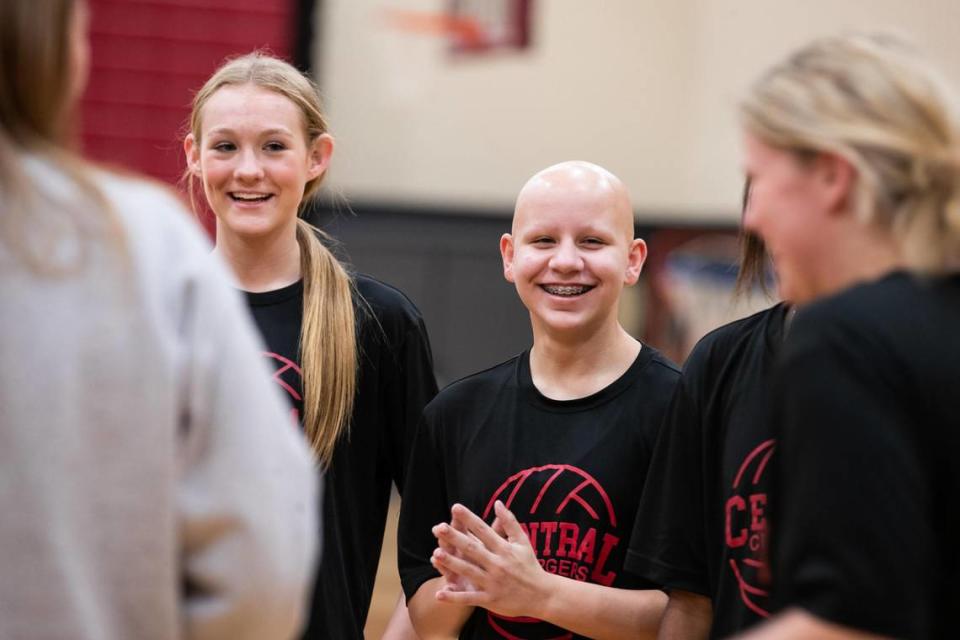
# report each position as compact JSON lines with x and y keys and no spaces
{"x":852,"y":148}
{"x":350,"y":353}
{"x":284,"y":247}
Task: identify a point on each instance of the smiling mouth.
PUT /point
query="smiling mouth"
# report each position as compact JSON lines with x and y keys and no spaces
{"x":566,"y":290}
{"x":250,"y":197}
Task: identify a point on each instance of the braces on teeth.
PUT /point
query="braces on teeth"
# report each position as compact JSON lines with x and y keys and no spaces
{"x":566,"y":290}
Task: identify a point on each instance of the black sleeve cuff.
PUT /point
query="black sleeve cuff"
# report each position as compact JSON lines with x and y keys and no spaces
{"x":665,"y":577}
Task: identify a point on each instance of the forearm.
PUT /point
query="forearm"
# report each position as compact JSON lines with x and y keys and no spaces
{"x":399,"y":627}
{"x":432,"y":619}
{"x":601,"y":612}
{"x":688,"y":616}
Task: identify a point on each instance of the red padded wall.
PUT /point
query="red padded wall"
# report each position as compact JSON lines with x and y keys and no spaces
{"x":149,"y":56}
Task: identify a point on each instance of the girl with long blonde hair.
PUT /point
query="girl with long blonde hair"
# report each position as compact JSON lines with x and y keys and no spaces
{"x":350,"y":353}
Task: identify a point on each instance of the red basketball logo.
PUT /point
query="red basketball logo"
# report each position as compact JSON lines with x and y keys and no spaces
{"x":746,"y":529}
{"x":571,"y":524}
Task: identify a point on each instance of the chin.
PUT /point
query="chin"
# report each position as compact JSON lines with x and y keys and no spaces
{"x":565,"y":324}
{"x":248,"y":228}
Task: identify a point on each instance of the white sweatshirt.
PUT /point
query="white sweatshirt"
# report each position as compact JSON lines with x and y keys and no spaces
{"x":152,"y":484}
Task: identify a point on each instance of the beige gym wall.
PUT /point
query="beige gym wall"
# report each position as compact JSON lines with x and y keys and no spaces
{"x":644,"y":87}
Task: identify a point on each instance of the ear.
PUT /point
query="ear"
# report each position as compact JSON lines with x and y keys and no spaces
{"x":836,"y":178}
{"x":635,"y":258}
{"x":506,"y":252}
{"x":191,"y":150}
{"x":321,"y":151}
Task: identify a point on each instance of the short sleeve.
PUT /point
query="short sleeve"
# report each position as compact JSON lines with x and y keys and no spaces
{"x":668,"y":544}
{"x":849,"y":533}
{"x":426,"y":503}
{"x":411,"y":388}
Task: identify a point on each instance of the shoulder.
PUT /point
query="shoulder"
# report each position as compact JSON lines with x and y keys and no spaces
{"x":482,"y":381}
{"x":154,"y":217}
{"x":385,"y":301}
{"x":888,"y":307}
{"x":144,"y":207}
{"x":169,"y":250}
{"x":659,"y":368}
{"x":382,"y":296}
{"x":142,"y":199}
{"x":728,"y":336}
{"x":728,"y":342}
{"x":863,"y":301}
{"x":387,"y":318}
{"x":480,"y":387}
{"x":875,"y":334}
{"x":124,"y":187}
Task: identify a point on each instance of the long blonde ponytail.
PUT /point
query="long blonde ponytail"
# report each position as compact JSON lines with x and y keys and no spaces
{"x":328,"y":343}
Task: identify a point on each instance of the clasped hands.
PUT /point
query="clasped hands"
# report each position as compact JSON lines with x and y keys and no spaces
{"x":493,"y":567}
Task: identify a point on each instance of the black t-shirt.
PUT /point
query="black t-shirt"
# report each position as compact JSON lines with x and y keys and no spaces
{"x":571,"y":471}
{"x":865,"y":522}
{"x":395,"y":382}
{"x":702,"y":524}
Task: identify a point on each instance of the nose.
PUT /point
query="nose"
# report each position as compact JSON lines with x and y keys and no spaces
{"x":566,"y":257}
{"x":248,"y":166}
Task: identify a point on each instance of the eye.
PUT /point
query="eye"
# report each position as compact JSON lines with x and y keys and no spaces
{"x":542,"y":241}
{"x":224,"y":146}
{"x":274,"y":146}
{"x":593,"y":241}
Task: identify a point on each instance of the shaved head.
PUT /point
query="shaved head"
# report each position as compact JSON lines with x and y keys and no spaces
{"x":571,"y":250}
{"x":575,"y":180}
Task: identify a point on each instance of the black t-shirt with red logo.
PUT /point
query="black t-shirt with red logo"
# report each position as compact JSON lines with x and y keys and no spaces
{"x":571,"y":471}
{"x":702,"y":523}
{"x":865,"y":526}
{"x":395,"y":382}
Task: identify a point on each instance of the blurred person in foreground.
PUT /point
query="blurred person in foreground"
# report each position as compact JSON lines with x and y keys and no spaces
{"x":151,"y":483}
{"x":851,"y":147}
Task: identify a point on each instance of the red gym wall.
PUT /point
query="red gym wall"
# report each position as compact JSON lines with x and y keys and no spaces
{"x":150,"y":56}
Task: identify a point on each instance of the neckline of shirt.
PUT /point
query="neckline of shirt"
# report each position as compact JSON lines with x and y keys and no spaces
{"x":604,"y":395}
{"x":262,"y":298}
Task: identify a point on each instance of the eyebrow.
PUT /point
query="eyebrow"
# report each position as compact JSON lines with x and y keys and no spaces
{"x":268,"y":132}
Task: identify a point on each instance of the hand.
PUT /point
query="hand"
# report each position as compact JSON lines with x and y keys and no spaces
{"x":452,"y":581}
{"x":458,"y":582}
{"x":504,"y":573}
